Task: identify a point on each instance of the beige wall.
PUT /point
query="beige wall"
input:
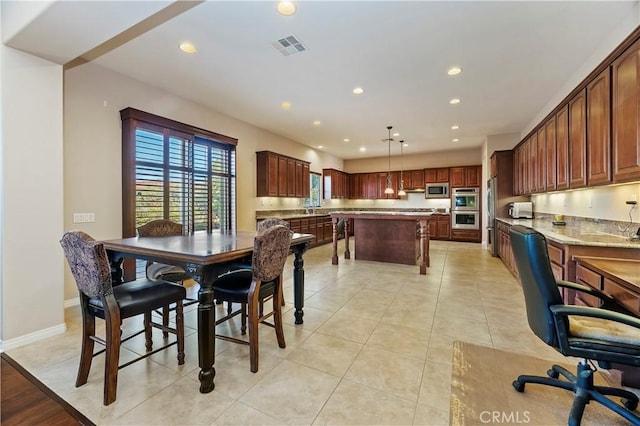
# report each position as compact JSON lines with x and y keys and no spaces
{"x":32,"y":193}
{"x":93,"y":97}
{"x":462,"y":157}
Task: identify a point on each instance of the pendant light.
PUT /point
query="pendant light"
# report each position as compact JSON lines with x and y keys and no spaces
{"x":389,"y":189}
{"x":401,"y":192}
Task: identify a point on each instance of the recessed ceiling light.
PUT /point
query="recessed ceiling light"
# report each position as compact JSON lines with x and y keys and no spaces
{"x":358,"y":91}
{"x":405,"y":144}
{"x":320,"y":146}
{"x":286,"y":105}
{"x":317,"y":123}
{"x":363,"y":149}
{"x":286,"y":8}
{"x":454,"y":71}
{"x":345,"y":140}
{"x":455,"y":127}
{"x":187,"y":47}
{"x":455,"y":140}
{"x":396,"y":134}
{"x":454,"y":101}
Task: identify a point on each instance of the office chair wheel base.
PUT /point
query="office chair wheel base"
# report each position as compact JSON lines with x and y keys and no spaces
{"x":518,"y":386}
{"x":553,"y":373}
{"x":629,"y":404}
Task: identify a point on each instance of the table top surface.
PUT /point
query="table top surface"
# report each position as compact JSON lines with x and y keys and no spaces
{"x":200,"y":247}
{"x":625,"y":271}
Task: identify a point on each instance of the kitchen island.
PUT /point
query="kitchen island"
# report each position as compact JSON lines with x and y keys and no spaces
{"x":395,"y":237}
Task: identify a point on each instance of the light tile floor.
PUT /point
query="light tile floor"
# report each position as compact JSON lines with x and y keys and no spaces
{"x":375,"y":348}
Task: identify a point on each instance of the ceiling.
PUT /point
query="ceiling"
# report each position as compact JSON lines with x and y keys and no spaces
{"x":515,"y":56}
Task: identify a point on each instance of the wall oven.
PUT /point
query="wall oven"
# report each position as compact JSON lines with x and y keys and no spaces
{"x":465,"y":219}
{"x":465,"y":199}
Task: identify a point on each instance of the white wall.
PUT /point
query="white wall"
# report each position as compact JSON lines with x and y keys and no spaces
{"x":32,"y":198}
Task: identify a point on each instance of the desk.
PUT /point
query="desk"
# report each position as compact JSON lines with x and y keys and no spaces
{"x":396,"y":237}
{"x":620,"y":279}
{"x":205,"y":256}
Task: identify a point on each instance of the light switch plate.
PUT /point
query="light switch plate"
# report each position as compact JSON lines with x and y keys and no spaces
{"x":84,"y":217}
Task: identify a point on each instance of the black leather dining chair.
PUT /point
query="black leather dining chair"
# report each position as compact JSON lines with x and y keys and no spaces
{"x":90,"y":267}
{"x":596,"y":335}
{"x":252,"y":287}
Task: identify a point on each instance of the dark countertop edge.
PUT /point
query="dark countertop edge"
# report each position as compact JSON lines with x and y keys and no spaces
{"x":550,"y":235}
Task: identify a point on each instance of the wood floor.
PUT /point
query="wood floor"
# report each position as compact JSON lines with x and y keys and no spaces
{"x":26,"y":401}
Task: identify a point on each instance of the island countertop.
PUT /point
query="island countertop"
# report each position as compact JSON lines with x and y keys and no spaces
{"x":383,"y":215}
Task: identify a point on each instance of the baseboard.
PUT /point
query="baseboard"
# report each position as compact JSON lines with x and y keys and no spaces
{"x":71,"y":302}
{"x":6,"y":345}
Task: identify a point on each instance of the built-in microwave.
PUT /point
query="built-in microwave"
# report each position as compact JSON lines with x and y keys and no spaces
{"x":436,"y":190}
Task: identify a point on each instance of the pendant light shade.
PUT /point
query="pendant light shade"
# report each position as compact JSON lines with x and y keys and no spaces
{"x":401,"y":192}
{"x":389,"y":190}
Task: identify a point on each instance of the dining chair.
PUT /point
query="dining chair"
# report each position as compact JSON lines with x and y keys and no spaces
{"x":90,"y":267}
{"x":160,"y":271}
{"x":252,"y":287}
{"x":596,"y":335}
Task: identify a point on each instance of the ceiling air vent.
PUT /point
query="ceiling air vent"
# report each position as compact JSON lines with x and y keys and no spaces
{"x":289,"y":45}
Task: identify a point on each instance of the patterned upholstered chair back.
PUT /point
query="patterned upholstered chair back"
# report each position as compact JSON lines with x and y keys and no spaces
{"x":89,"y":264}
{"x":270,"y":251}
{"x":160,"y":228}
{"x":271,"y":221}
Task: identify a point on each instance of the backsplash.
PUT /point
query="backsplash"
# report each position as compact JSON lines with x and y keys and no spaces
{"x":587,"y":224}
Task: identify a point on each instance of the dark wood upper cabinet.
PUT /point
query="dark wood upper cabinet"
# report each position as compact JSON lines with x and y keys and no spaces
{"x":562,"y":148}
{"x":541,"y":166}
{"x":467,"y":176}
{"x":267,"y":174}
{"x":436,"y":175}
{"x":626,"y":115}
{"x":533,"y":163}
{"x":578,"y":141}
{"x":516,"y":172}
{"x":281,"y":176}
{"x":415,"y":178}
{"x":599,"y":129}
{"x":550,"y":139}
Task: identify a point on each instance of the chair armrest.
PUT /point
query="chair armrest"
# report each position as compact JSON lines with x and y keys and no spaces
{"x":608,"y":302}
{"x":585,"y":289}
{"x":586,"y":311}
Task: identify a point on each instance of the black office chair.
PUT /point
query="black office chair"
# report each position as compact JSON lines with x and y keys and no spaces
{"x":593,"y":334}
{"x":89,"y":264}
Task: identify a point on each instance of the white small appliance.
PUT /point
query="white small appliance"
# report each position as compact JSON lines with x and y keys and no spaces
{"x":521,"y":210}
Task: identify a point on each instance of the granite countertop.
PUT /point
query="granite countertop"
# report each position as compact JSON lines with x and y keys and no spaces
{"x":574,"y":235}
{"x":382,"y":213}
{"x":293,"y":216}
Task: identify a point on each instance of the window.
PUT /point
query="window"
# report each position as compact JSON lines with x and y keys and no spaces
{"x":174,"y":171}
{"x":314,"y":192}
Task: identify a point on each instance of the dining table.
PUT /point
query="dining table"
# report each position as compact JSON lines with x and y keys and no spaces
{"x":205,"y":256}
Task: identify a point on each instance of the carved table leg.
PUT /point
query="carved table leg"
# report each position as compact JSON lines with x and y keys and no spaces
{"x":298,"y":280}
{"x":424,"y":246}
{"x":347,"y":253}
{"x":206,"y":328}
{"x":334,"y":256}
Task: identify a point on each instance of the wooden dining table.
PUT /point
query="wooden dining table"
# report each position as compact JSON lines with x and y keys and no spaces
{"x":205,"y":256}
